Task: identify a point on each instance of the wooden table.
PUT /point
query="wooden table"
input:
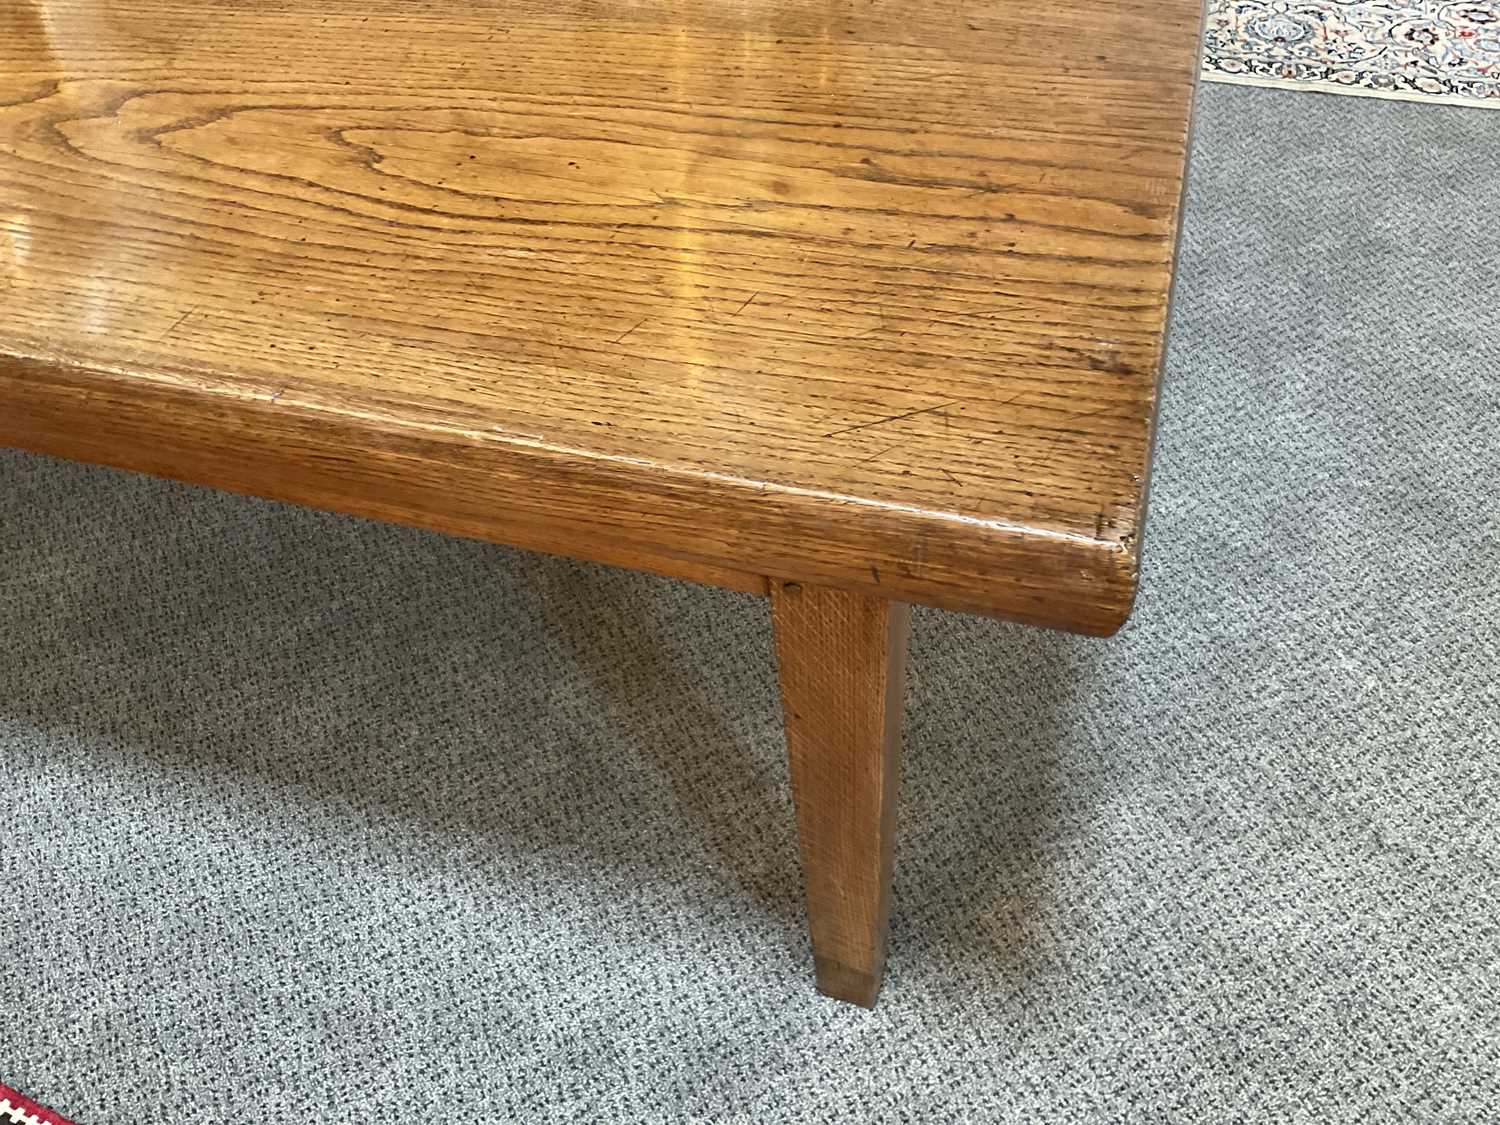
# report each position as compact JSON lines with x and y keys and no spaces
{"x":852,"y":304}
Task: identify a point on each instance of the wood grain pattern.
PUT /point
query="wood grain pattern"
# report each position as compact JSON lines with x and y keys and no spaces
{"x":842,"y":659}
{"x":851,"y":293}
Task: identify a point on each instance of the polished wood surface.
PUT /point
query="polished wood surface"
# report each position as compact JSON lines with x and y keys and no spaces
{"x":842,"y":659}
{"x":860,"y":293}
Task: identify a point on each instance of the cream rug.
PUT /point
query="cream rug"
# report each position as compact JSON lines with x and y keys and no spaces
{"x":1422,"y":50}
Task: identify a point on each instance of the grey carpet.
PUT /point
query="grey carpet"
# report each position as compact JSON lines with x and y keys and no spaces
{"x":313,"y":819}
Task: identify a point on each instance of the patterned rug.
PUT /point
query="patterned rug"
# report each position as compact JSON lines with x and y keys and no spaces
{"x":1424,"y":50}
{"x":16,"y":1109}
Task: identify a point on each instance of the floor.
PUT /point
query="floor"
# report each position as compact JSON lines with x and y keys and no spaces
{"x":314,"y":819}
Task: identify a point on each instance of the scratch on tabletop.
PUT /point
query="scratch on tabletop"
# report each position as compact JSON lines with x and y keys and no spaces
{"x":631,"y":329}
{"x":176,"y":324}
{"x":892,"y":418}
{"x":1091,"y":413}
{"x":877,"y":456}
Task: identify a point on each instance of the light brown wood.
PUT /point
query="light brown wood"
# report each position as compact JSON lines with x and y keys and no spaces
{"x":864,"y":294}
{"x":842,"y":659}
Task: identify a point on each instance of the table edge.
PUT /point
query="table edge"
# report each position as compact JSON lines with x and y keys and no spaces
{"x":445,"y":478}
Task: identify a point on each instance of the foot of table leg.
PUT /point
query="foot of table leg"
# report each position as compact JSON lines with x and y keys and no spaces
{"x":843,"y":668}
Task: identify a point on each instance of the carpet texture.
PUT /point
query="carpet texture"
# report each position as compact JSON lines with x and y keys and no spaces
{"x":315,"y":819}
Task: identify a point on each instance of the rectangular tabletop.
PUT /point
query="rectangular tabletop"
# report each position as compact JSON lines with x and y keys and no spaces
{"x":866,"y":293}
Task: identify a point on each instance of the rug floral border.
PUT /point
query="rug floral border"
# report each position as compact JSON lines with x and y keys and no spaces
{"x":1428,"y":50}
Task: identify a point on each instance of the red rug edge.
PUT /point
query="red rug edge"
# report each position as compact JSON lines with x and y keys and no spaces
{"x":20,"y":1101}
